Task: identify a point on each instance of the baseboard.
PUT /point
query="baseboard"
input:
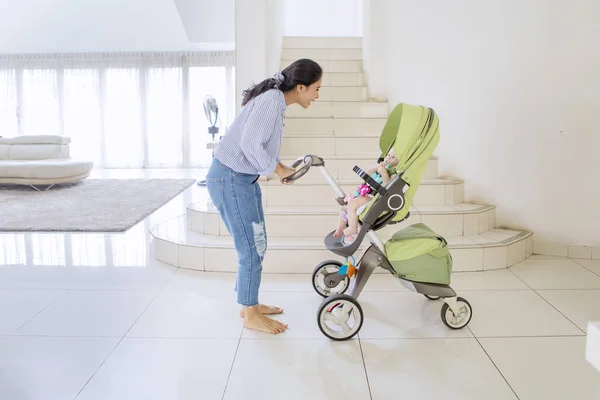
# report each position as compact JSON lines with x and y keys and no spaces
{"x":546,"y":248}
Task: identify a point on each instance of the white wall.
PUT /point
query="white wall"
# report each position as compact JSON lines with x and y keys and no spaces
{"x":42,"y":26}
{"x":516,"y":86}
{"x":250,"y":45}
{"x":322,"y":18}
{"x":258,"y":40}
{"x":208,"y":22}
{"x":274,"y":35}
{"x":367,"y":32}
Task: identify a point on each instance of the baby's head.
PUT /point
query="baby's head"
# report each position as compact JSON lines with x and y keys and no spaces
{"x":391,"y":158}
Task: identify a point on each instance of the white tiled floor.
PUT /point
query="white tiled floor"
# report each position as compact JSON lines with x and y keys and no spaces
{"x":109,"y":322}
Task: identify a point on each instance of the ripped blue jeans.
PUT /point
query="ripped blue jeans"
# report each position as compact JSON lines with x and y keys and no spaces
{"x":238,"y":198}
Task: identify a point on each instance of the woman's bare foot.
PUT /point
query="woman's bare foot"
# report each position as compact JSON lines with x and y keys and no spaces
{"x":264,"y":309}
{"x":255,"y":320}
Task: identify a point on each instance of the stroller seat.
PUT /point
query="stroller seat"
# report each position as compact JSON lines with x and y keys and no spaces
{"x":413,"y":132}
{"x":382,"y":209}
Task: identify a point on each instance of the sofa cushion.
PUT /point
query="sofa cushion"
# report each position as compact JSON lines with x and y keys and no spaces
{"x":37,"y":151}
{"x":37,"y":139}
{"x":4,"y":151}
{"x":44,"y":169}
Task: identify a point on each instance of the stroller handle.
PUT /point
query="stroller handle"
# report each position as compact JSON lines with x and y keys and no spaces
{"x":309,"y":161}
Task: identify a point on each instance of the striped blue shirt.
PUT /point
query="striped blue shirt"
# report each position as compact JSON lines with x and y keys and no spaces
{"x":252,"y":143}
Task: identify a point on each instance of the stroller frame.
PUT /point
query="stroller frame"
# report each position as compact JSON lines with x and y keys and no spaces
{"x":339,"y":307}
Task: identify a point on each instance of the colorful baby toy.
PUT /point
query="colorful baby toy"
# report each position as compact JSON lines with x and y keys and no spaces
{"x":348,"y":268}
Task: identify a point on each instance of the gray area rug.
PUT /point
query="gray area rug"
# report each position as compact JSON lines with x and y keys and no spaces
{"x":93,"y":205}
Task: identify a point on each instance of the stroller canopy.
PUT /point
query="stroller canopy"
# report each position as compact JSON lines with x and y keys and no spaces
{"x":413,"y":132}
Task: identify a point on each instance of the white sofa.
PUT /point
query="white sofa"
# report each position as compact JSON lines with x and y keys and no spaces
{"x":40,"y":160}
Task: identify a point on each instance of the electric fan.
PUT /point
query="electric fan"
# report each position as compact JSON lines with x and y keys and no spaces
{"x":211,"y":109}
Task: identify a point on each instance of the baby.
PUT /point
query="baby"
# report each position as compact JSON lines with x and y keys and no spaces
{"x":356,"y":200}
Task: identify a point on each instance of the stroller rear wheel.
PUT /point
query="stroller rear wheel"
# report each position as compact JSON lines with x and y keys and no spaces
{"x":327,"y":281}
{"x":340,"y":317}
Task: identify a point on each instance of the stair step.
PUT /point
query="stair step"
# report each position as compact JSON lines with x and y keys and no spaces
{"x":174,"y":244}
{"x":333,"y":67}
{"x":328,"y":145}
{"x":340,"y":109}
{"x":299,"y":42}
{"x":344,"y":79}
{"x":341,"y":166}
{"x":344,"y":127}
{"x":343,"y":93}
{"x":317,"y":220}
{"x":431,"y":192}
{"x":323,"y":54}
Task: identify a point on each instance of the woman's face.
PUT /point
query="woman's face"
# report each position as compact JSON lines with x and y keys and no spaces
{"x":308,"y":94}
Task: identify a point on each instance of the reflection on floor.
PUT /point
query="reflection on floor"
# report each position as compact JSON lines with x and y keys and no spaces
{"x":93,"y":316}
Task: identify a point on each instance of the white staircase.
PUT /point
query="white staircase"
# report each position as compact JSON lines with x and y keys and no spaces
{"x":343,"y":127}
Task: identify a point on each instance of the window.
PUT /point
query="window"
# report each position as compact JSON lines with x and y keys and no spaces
{"x":8,"y":103}
{"x":82,"y":113}
{"x":120,"y":110}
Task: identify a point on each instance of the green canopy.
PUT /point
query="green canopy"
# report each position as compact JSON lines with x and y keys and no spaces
{"x":414,"y":133}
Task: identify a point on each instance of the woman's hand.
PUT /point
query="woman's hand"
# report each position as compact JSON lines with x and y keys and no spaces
{"x":283,"y":171}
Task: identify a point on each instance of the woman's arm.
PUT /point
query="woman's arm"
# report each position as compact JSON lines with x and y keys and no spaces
{"x":258,"y":130}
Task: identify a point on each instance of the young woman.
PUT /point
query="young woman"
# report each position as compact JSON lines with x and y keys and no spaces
{"x":249,"y":150}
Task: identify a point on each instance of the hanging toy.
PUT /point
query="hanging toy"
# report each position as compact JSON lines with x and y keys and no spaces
{"x":343,"y":269}
{"x":348,"y":268}
{"x":363,"y":189}
{"x":351,"y":271}
{"x":377,"y":178}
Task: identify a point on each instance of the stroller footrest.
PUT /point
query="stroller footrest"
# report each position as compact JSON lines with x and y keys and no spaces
{"x":337,"y":245}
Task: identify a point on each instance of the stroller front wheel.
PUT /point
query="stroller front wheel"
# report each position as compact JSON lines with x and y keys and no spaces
{"x":457,"y":320}
{"x":327,"y":281}
{"x":340,"y":317}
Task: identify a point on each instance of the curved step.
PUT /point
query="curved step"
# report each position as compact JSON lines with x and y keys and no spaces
{"x":174,"y":244}
{"x":312,"y":191}
{"x":306,"y":221}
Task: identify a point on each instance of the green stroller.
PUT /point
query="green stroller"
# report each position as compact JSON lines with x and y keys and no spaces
{"x":416,"y":255}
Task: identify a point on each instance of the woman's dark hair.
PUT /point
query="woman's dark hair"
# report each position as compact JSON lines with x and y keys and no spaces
{"x":302,"y":72}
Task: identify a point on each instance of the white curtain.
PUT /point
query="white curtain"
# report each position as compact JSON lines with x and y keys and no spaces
{"x":122,"y":110}
{"x":8,"y":103}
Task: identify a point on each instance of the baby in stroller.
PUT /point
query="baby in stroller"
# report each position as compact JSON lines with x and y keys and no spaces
{"x":382,"y":173}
